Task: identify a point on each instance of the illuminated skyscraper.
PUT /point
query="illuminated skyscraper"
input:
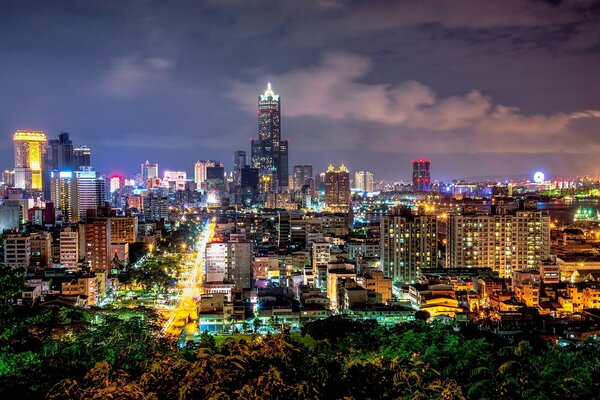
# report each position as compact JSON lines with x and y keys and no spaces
{"x":30,"y":152}
{"x":63,"y":193}
{"x":337,"y":188}
{"x":91,"y":190}
{"x":421,"y":178}
{"x":269,"y":152}
{"x":59,"y":157}
{"x":149,"y":171}
{"x":82,"y":157}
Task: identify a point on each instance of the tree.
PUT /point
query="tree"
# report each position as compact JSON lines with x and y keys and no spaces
{"x":257,"y":324}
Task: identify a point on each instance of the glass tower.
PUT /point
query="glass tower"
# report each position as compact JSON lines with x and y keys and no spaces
{"x":269,"y":152}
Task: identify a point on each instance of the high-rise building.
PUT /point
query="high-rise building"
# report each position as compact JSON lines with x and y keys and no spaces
{"x":408,"y":244}
{"x":249,"y":186}
{"x":337,"y":188}
{"x":363,"y":180}
{"x":91,"y":190}
{"x":302,"y":176}
{"x":421,"y":176}
{"x":30,"y":153}
{"x":82,"y":157}
{"x":63,"y":193}
{"x":504,"y":240}
{"x":239,"y":162}
{"x":149,"y":171}
{"x":98,"y":244}
{"x":59,"y":157}
{"x":156,"y":208}
{"x":269,"y":152}
{"x":230,"y":261}
{"x":69,"y":247}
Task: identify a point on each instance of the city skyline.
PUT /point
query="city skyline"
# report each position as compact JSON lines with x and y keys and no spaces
{"x":504,"y":87}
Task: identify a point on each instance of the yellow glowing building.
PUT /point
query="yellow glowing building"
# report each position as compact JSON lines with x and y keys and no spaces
{"x":30,"y":150}
{"x":337,"y":188}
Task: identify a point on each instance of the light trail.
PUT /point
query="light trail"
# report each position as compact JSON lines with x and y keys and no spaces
{"x":192,"y":287}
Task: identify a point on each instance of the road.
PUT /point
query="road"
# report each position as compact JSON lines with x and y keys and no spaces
{"x":191,"y":288}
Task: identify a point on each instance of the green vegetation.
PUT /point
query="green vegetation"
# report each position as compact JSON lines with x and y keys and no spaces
{"x":156,"y":273}
{"x":69,"y":353}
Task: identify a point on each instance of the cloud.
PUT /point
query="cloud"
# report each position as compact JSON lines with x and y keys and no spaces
{"x":333,"y":89}
{"x":129,"y":76}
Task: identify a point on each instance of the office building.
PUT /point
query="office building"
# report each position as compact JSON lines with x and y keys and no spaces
{"x":337,"y":188}
{"x":90,"y":189}
{"x":59,"y":157}
{"x":249,"y":186}
{"x":8,"y":178}
{"x":30,"y":153}
{"x":408,"y":244}
{"x":149,"y":171}
{"x":504,"y":240}
{"x":421,"y":177}
{"x":239,"y":162}
{"x":82,"y":157}
{"x":156,"y":208}
{"x":269,"y":152}
{"x":63,"y":193}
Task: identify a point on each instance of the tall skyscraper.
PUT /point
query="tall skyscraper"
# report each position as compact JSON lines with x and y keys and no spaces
{"x":82,"y":157}
{"x":363,"y":180}
{"x":59,"y":157}
{"x":269,"y":152}
{"x":30,"y":152}
{"x":149,"y":171}
{"x":421,"y":177}
{"x":337,"y":188}
{"x":408,"y":244}
{"x":91,"y":190}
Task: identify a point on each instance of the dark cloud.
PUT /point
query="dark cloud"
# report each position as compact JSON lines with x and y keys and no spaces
{"x":372,"y":84}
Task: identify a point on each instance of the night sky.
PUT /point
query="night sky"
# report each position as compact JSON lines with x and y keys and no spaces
{"x":479,"y":87}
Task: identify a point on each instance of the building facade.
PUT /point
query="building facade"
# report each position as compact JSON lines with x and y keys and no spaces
{"x":30,"y":153}
{"x":408,"y":244}
{"x":269,"y":152}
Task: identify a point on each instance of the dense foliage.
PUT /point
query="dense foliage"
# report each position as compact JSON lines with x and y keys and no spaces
{"x":69,"y":353}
